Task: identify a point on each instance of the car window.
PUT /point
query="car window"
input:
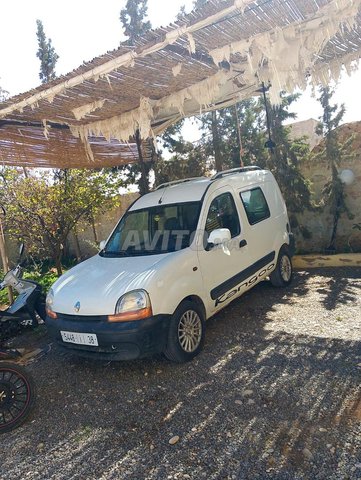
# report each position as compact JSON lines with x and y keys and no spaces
{"x":222,"y":213}
{"x":153,"y":230}
{"x":255,"y":205}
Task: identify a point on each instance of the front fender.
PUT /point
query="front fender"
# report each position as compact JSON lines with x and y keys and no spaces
{"x":178,"y":278}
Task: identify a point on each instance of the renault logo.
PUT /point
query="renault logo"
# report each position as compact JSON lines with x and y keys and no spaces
{"x":77,"y":307}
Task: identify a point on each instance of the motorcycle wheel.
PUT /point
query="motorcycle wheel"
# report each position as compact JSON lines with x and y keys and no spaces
{"x":17,"y":395}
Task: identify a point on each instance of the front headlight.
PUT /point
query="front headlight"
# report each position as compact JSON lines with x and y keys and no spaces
{"x":49,"y":304}
{"x":133,"y":305}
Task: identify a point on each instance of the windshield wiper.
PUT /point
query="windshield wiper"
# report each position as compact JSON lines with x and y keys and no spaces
{"x":118,"y":253}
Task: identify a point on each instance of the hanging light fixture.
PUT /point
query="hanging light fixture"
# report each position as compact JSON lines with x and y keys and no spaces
{"x":269,"y":143}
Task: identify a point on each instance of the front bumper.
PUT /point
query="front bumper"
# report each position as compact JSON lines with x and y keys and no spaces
{"x":117,"y":341}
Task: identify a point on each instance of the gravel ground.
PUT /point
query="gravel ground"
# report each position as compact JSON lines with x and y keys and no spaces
{"x":274,"y":395}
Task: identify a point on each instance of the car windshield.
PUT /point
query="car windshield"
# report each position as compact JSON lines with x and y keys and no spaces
{"x":154,"y":230}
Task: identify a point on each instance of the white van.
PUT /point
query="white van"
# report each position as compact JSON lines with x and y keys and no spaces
{"x":179,"y":255}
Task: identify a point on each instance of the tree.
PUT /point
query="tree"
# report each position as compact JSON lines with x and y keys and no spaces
{"x":42,"y":211}
{"x":46,"y":54}
{"x":284,"y":159}
{"x":199,"y":3}
{"x":3,"y":94}
{"x":233,"y":131}
{"x":186,"y":164}
{"x":133,"y":19}
{"x":181,"y":13}
{"x":334,"y":152}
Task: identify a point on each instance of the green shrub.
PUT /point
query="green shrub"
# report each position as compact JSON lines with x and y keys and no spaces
{"x":45,"y":279}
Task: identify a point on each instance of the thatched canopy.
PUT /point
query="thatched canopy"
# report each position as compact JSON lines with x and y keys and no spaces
{"x":30,"y":147}
{"x":213,"y":57}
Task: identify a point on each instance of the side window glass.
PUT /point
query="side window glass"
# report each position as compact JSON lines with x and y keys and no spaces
{"x":223,"y":214}
{"x":255,"y":204}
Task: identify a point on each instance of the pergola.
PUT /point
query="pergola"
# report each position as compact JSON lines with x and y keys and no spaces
{"x":210,"y":59}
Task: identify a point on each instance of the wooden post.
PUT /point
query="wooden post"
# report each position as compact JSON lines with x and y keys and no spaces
{"x":216,"y":142}
{"x":4,"y":258}
{"x":241,"y":164}
{"x":144,"y":174}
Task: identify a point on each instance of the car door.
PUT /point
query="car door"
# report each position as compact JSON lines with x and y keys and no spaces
{"x":259,"y":225}
{"x":222,"y":265}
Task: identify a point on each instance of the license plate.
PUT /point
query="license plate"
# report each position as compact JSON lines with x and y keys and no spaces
{"x":80,"y":338}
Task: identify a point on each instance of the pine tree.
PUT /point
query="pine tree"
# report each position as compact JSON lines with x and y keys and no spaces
{"x":3,"y":94}
{"x":46,"y":54}
{"x":334,"y":152}
{"x":181,"y":13}
{"x":284,"y":160}
{"x":133,"y":19}
{"x":246,"y":139}
{"x":199,"y":3}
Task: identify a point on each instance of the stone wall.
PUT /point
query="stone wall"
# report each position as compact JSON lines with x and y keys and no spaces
{"x":306,"y":128}
{"x":319,"y":223}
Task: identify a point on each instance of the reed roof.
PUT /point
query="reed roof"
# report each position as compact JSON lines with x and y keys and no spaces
{"x":211,"y":58}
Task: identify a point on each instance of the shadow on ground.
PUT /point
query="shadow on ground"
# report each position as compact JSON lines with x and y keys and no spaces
{"x":340,"y":290}
{"x":257,"y":403}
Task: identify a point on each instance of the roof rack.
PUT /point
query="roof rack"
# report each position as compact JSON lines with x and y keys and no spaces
{"x":183,"y":180}
{"x":235,"y":170}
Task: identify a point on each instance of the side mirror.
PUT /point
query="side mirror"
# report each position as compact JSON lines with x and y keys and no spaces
{"x":102,"y":244}
{"x":218,"y":237}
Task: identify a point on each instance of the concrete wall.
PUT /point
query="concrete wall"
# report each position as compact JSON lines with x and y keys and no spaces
{"x":104,"y":225}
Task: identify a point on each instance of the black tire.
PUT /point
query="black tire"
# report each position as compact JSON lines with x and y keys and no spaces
{"x":282,"y":275}
{"x":17,"y":396}
{"x":186,"y":332}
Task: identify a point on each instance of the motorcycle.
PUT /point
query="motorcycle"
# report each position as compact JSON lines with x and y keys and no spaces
{"x":17,"y":390}
{"x":28,"y":309}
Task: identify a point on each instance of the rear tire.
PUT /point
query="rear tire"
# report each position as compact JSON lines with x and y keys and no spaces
{"x":17,"y":396}
{"x":186,"y":333}
{"x":282,"y":275}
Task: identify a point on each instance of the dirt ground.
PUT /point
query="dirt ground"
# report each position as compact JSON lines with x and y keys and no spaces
{"x":274,"y":395}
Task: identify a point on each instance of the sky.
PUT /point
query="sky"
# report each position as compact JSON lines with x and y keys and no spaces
{"x":83,"y":29}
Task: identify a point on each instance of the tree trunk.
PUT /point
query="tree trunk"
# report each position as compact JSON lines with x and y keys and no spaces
{"x":144,"y":173}
{"x":332,"y":247}
{"x":216,"y":142}
{"x":94,"y":231}
{"x":337,"y":187}
{"x":57,"y":260}
{"x":77,"y":245}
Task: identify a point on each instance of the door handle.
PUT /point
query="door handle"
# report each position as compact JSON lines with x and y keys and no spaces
{"x":242,"y":243}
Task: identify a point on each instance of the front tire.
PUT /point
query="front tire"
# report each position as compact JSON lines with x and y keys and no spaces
{"x":17,"y":396}
{"x":186,"y":333}
{"x":282,"y":275}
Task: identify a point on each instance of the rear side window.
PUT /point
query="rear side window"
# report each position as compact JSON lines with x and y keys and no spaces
{"x":223,"y":214}
{"x":255,"y":204}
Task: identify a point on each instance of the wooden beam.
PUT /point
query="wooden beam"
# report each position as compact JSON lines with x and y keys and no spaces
{"x":4,"y":258}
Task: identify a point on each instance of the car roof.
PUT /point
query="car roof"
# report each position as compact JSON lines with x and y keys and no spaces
{"x":193,"y":189}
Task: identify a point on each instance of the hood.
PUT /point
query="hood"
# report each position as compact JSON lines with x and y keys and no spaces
{"x":98,"y":283}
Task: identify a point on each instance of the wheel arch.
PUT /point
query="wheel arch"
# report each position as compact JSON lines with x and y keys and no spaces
{"x":285,"y":247}
{"x":197,"y":300}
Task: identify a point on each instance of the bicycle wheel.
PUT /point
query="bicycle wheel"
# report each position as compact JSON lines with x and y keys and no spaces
{"x":17,"y":395}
